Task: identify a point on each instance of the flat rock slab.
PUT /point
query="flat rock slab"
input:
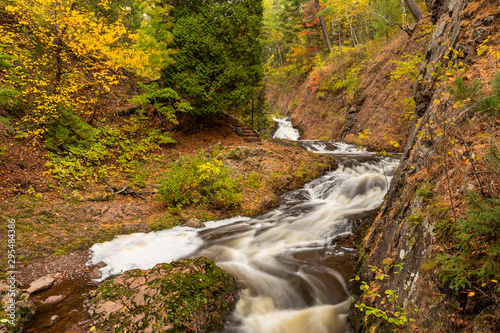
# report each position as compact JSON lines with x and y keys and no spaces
{"x":40,"y":284}
{"x":54,"y":299}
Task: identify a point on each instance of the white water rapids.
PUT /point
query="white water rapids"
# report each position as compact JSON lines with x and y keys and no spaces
{"x":294,"y":278}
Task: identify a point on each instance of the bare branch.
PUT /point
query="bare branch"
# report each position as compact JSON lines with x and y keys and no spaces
{"x":408,"y":30}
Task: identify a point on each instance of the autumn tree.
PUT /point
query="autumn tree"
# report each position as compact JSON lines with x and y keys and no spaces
{"x":67,"y":55}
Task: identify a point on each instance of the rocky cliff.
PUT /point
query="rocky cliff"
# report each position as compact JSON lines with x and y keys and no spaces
{"x":444,"y":141}
{"x":440,"y":163}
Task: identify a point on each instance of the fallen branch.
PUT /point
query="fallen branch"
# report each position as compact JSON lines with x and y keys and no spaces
{"x":115,"y":191}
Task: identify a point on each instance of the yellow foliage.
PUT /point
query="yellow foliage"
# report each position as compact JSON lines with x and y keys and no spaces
{"x":66,"y":57}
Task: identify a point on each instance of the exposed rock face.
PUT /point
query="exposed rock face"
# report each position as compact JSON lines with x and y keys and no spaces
{"x":403,"y":236}
{"x":184,"y":296}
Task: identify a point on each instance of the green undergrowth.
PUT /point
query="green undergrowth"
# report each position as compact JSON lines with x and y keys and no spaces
{"x":108,"y":152}
{"x":199,"y":180}
{"x":384,"y":303}
{"x":474,"y":261}
{"x":477,"y":238}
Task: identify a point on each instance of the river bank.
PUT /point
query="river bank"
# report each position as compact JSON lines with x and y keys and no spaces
{"x":56,"y":225}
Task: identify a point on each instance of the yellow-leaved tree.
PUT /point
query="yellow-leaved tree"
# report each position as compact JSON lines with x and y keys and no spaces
{"x":68,"y":54}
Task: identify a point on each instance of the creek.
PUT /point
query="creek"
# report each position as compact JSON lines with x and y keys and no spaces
{"x":294,"y":277}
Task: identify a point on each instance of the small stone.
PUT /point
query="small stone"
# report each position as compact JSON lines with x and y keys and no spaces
{"x":195,"y":223}
{"x":52,"y":320}
{"x":83,"y":322}
{"x":57,"y":276}
{"x":40,"y":284}
{"x":101,"y":264}
{"x":73,"y":312}
{"x":54,"y":299}
{"x":96,"y":273}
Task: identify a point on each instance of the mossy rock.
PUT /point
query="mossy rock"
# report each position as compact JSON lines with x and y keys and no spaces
{"x":185,"y":295}
{"x":24,"y":309}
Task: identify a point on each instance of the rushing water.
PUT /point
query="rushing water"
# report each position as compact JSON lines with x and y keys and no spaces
{"x":285,"y":130}
{"x":294,"y":279}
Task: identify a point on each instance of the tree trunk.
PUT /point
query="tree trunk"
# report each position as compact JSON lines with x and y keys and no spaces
{"x":414,"y":9}
{"x":323,"y":27}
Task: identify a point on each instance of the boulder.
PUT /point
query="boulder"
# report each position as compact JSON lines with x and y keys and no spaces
{"x":51,"y":321}
{"x":189,"y":295}
{"x":96,"y":273}
{"x":40,"y":284}
{"x":195,"y":223}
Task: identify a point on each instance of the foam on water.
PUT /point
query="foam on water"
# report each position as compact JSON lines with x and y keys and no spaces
{"x":141,"y":250}
{"x":285,"y":130}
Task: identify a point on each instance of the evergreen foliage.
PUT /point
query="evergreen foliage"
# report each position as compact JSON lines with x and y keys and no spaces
{"x":165,"y":100}
{"x":478,"y":245}
{"x":290,"y":21}
{"x":391,"y":10}
{"x":477,"y":235}
{"x":67,"y":130}
{"x":471,"y":94}
{"x":218,"y":54}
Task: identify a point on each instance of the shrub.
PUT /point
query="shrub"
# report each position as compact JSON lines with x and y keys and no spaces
{"x":199,"y":180}
{"x":108,"y":152}
{"x":478,"y":244}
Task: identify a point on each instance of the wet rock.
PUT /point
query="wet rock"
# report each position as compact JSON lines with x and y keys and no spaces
{"x":195,"y":223}
{"x":140,"y":300}
{"x":101,"y":264}
{"x":73,"y":312}
{"x":51,"y":321}
{"x":18,"y":309}
{"x":96,"y":273}
{"x":344,"y":241}
{"x":83,"y":322}
{"x":54,"y":299}
{"x":40,"y":284}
